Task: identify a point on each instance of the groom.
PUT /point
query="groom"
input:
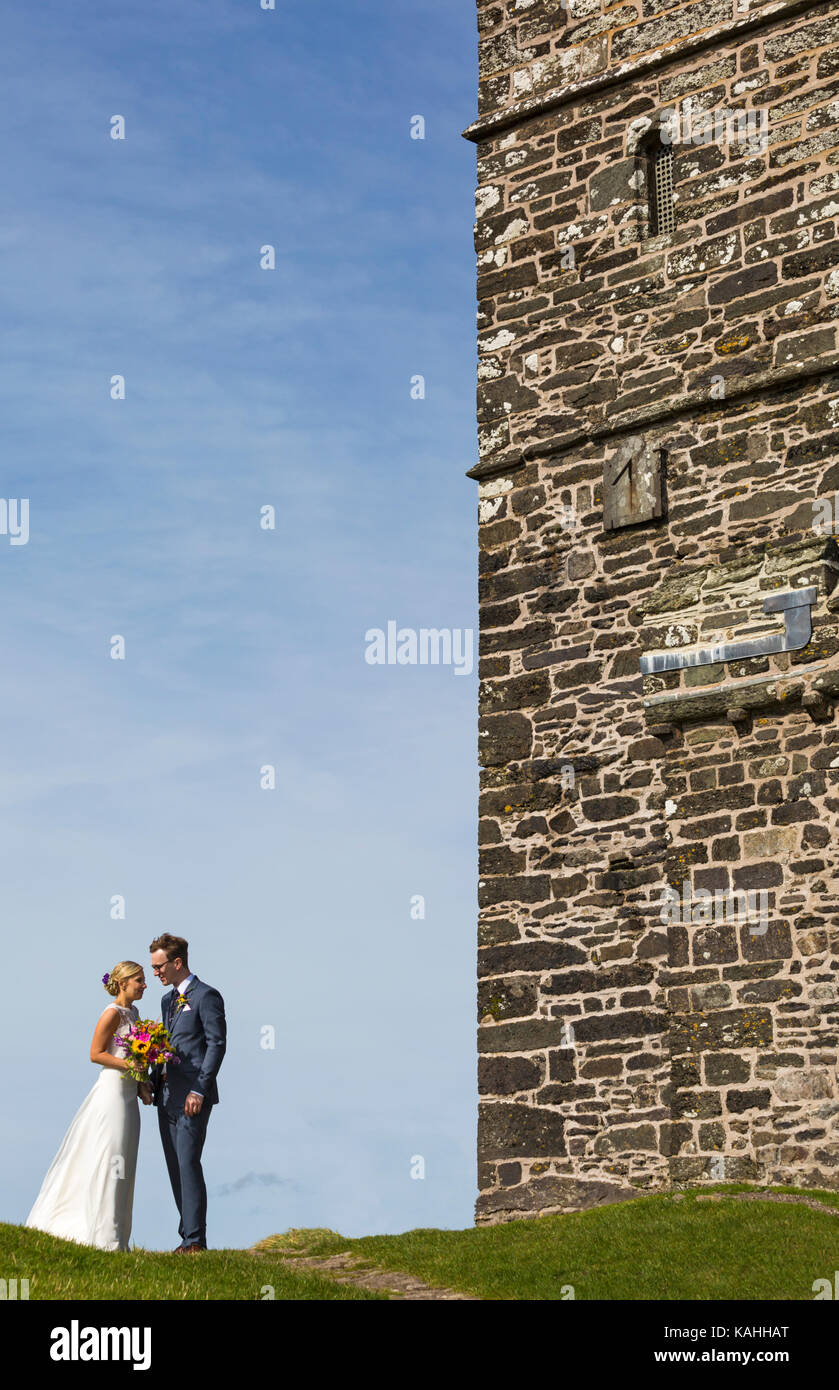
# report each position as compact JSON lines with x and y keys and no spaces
{"x":186,"y":1092}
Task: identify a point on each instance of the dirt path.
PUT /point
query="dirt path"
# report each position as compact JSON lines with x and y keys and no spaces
{"x":347,"y":1268}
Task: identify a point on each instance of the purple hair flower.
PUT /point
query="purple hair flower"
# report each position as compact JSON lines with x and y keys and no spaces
{"x":106,"y":978}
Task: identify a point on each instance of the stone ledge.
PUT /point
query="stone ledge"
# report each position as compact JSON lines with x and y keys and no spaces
{"x":636,"y":420}
{"x":778,"y":693}
{"x":490,"y":125}
{"x":542,"y":1195}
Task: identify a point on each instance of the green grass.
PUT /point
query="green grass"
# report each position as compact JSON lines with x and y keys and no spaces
{"x":650,"y":1248}
{"x":61,"y":1269}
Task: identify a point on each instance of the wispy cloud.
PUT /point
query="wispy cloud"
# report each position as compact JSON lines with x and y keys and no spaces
{"x":251,"y":1180}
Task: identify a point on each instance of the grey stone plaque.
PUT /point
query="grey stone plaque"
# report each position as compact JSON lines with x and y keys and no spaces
{"x":632,"y":490}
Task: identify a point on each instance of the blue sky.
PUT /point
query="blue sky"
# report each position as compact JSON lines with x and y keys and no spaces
{"x":244,"y":647}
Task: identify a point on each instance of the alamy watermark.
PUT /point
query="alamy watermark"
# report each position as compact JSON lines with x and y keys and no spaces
{"x":82,"y":1343}
{"x":687,"y":125}
{"x":826,"y":515}
{"x":12,"y":1289}
{"x":825,"y":1288}
{"x":14,"y":519}
{"x":699,"y":907}
{"x":426,"y":646}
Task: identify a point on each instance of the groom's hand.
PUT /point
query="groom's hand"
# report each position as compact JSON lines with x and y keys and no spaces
{"x":193,"y":1103}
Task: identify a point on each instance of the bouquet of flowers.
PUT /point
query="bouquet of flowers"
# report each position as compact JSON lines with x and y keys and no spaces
{"x":145,"y":1043}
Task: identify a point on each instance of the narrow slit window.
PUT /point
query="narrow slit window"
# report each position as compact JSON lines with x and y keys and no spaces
{"x":662,"y":211}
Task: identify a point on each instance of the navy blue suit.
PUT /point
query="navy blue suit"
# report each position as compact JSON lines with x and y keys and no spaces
{"x":199,"y":1038}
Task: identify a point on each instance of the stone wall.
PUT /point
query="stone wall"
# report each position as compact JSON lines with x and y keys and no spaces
{"x":620,"y":1049}
{"x":529,"y":48}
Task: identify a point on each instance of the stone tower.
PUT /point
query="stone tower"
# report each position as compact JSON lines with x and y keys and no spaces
{"x":658,"y":402}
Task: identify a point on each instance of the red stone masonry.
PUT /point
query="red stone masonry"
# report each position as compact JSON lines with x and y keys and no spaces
{"x":619,"y":1049}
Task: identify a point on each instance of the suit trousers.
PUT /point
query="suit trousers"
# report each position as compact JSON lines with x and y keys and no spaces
{"x":183,"y":1141}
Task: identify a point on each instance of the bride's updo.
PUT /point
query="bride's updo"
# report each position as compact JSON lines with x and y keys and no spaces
{"x":121,"y":972}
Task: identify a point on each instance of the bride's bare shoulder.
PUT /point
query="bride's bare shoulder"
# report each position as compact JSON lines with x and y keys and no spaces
{"x":111,"y":1012}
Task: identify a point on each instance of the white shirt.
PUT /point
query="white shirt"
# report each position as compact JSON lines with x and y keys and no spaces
{"x":182,"y":989}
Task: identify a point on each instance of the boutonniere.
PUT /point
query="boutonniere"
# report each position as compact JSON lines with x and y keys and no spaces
{"x":181,"y":1004}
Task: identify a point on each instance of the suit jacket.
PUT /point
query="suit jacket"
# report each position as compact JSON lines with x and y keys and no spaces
{"x":198,"y":1036}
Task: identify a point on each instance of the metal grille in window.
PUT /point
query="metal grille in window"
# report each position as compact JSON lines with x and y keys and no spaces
{"x":662,"y":211}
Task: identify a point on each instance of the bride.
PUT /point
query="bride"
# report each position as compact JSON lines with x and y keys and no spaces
{"x":88,"y":1192}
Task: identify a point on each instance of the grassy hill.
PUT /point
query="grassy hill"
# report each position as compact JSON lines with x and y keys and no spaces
{"x":729,"y":1242}
{"x":61,"y":1269}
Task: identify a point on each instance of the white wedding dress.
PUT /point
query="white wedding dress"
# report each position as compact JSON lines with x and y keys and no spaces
{"x":88,"y":1192}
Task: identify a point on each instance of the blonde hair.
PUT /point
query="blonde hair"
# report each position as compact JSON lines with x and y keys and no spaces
{"x":121,"y":972}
